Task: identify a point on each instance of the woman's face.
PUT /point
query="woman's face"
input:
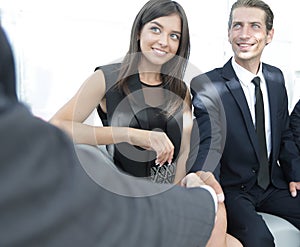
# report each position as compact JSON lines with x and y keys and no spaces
{"x":160,"y":39}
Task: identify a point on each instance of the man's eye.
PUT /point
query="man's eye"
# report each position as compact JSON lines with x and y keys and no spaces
{"x":236,"y":25}
{"x":256,"y":26}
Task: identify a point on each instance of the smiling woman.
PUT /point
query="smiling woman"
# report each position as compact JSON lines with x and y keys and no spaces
{"x":149,"y":140}
{"x":161,"y":40}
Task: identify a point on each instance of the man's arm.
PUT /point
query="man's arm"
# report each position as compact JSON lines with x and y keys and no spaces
{"x":48,"y":198}
{"x":209,"y":124}
{"x":160,"y":215}
{"x":289,"y":157}
{"x":295,"y":123}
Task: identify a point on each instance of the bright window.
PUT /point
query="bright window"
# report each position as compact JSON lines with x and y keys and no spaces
{"x":57,"y":44}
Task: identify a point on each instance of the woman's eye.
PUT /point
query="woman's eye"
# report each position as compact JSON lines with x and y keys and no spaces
{"x":155,"y":29}
{"x":175,"y":36}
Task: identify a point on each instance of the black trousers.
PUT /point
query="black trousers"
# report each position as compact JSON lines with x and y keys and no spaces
{"x":249,"y":227}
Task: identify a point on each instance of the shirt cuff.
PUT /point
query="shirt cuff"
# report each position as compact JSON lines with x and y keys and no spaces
{"x":213,"y":194}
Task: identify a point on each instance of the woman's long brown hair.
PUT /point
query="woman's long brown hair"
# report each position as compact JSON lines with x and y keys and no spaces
{"x":172,"y":72}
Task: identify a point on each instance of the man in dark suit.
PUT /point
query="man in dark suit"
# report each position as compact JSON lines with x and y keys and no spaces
{"x":295,"y":123}
{"x":249,"y":125}
{"x":48,"y":199}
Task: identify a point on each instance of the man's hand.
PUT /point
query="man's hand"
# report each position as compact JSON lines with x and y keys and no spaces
{"x":209,"y":179}
{"x":201,"y":178}
{"x":294,"y":186}
{"x":191,"y":180}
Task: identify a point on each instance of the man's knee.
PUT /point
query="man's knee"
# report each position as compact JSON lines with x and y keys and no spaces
{"x":253,"y":236}
{"x":259,"y":239}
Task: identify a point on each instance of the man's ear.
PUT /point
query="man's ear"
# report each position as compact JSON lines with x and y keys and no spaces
{"x":270,"y":35}
{"x":228,"y":36}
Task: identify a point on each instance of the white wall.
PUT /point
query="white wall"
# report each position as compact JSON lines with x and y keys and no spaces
{"x":59,"y":43}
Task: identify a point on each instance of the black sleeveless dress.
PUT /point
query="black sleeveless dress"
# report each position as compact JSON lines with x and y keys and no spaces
{"x":142,"y":108}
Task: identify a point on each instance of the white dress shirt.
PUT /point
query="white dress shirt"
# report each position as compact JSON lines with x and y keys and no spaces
{"x":245,"y":78}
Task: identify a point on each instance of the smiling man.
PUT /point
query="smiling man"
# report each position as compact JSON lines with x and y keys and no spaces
{"x":246,"y":106}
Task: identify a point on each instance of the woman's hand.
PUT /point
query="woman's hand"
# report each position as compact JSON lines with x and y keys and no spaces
{"x":161,"y":144}
{"x":153,"y":140}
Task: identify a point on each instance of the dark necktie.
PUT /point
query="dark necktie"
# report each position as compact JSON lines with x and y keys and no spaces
{"x":263,"y":178}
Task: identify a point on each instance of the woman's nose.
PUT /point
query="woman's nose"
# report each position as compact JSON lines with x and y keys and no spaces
{"x":163,"y":39}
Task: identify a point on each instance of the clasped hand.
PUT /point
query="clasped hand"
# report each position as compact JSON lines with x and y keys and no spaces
{"x":201,"y":178}
{"x":157,"y":141}
{"x":160,"y":143}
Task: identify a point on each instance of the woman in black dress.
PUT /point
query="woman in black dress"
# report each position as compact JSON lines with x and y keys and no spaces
{"x":143,"y":101}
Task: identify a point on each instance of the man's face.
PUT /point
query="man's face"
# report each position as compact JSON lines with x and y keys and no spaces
{"x":248,"y":34}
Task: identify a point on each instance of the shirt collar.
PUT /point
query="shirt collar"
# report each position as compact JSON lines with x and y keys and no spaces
{"x":245,"y":76}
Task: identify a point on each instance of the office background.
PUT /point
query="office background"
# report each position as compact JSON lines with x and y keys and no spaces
{"x":58,"y":44}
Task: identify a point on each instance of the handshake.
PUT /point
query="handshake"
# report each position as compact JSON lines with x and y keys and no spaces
{"x":218,"y":237}
{"x":205,"y":180}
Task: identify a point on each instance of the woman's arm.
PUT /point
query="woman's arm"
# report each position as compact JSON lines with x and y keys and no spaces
{"x":72,"y":115}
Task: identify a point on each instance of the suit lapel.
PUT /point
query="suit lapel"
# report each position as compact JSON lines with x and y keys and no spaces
{"x":137,"y":101}
{"x":237,"y":93}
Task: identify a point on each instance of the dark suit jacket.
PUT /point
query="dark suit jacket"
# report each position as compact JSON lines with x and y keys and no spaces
{"x":295,"y":123}
{"x":218,"y":98}
{"x":47,"y":198}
